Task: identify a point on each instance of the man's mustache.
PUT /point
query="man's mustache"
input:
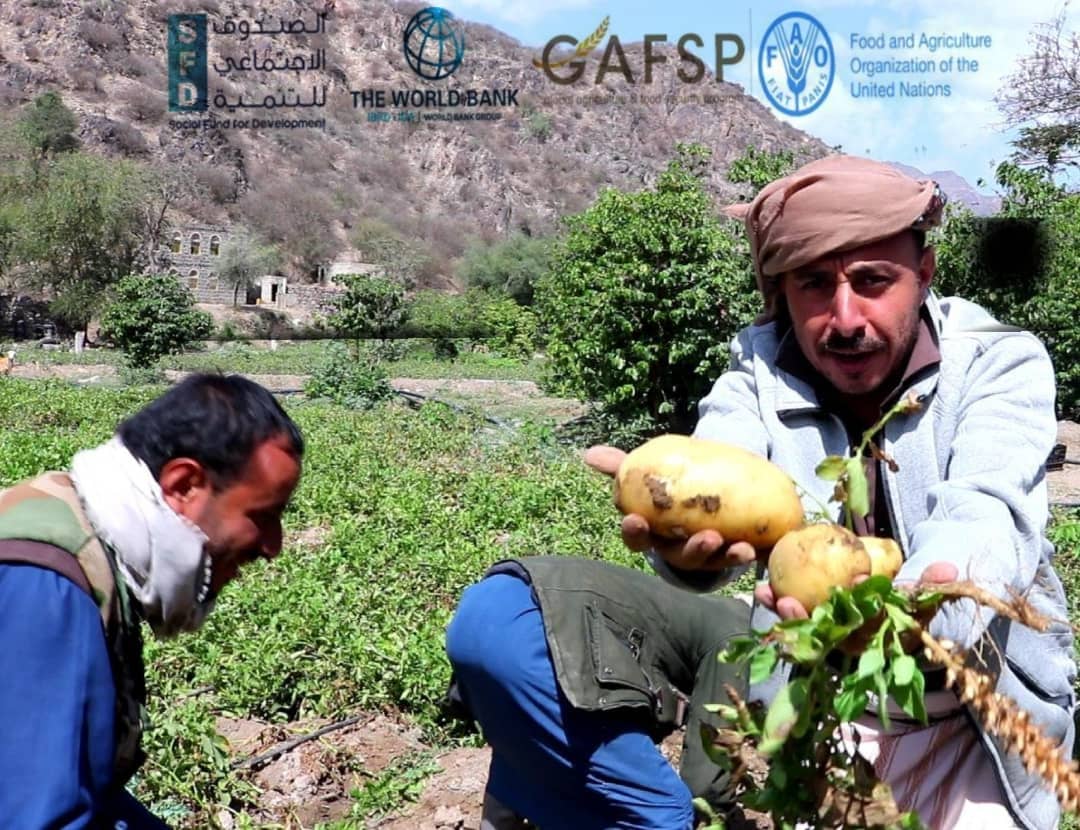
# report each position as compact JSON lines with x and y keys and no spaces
{"x":858,"y":344}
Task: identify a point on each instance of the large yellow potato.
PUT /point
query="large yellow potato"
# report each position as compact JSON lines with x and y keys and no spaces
{"x":885,"y":555}
{"x":683,"y":485}
{"x":807,"y":562}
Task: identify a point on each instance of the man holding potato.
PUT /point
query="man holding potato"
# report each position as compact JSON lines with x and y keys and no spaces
{"x":850,"y":327}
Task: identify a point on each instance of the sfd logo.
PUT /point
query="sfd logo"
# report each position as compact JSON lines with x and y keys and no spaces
{"x":796,"y":63}
{"x":187,"y":63}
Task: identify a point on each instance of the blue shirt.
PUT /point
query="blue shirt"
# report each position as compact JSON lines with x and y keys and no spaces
{"x":57,"y":707}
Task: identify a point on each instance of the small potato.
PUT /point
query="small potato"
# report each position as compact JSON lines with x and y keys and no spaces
{"x":885,"y":555}
{"x":682,"y":485}
{"x":807,"y":562}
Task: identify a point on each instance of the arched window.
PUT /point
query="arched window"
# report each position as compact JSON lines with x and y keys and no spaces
{"x":193,"y":278}
{"x":211,"y":278}
{"x":177,"y":241}
{"x":174,"y":273}
{"x":215,"y":245}
{"x":196,"y":244}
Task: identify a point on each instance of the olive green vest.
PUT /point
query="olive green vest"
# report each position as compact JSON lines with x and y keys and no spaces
{"x":47,"y":510}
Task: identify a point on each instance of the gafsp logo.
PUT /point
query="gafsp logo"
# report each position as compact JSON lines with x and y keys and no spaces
{"x":796,"y":63}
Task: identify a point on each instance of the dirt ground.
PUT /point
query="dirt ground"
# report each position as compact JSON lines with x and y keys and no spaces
{"x":311,"y":783}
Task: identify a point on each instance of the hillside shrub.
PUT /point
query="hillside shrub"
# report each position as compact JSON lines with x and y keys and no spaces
{"x":644,"y":295}
{"x":153,"y":316}
{"x":1022,"y":265}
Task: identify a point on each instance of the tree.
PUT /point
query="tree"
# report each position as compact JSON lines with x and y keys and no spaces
{"x":82,"y":230}
{"x":48,"y":126}
{"x":396,"y":256}
{"x":297,"y":217}
{"x":244,"y":257}
{"x":757,"y":167}
{"x":644,"y":295}
{"x":511,"y":266}
{"x":153,"y":316}
{"x":1021,"y":265}
{"x":370,"y":306}
{"x":1042,"y":98}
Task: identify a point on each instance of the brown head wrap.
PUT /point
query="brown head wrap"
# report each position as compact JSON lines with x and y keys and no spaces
{"x":833,"y":204}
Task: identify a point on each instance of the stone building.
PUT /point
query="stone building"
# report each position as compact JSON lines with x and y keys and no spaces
{"x":192,"y":256}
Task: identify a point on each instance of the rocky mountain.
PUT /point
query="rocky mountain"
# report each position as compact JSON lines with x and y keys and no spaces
{"x":957,"y":189}
{"x":317,"y":190}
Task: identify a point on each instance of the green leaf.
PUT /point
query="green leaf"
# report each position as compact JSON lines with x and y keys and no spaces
{"x":883,"y":698}
{"x":858,"y":498}
{"x":918,"y":697}
{"x":806,"y":648}
{"x":728,"y":713}
{"x":903,"y":670}
{"x":871,"y":661}
{"x":762,"y":664}
{"x":782,"y":715}
{"x":850,"y":704}
{"x":831,"y":468}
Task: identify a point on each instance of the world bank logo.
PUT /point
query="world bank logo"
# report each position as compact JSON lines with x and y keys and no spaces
{"x":434,"y":43}
{"x":796,"y":63}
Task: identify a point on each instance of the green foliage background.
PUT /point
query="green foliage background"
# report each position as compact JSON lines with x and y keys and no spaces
{"x":153,"y":316}
{"x":645,"y":293}
{"x":1023,"y":266}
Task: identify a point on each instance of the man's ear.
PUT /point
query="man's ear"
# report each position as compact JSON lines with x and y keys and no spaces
{"x":927,"y":268}
{"x":186,"y":485}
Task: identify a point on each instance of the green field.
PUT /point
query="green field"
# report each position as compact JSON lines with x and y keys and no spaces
{"x":398,"y":511}
{"x":298,"y":357}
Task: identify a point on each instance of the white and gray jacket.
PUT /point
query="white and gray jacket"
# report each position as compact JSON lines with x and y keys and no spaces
{"x":970,"y":489}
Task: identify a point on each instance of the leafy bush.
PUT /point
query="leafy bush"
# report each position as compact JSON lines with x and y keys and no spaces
{"x":445,"y":319}
{"x":1021,"y":265}
{"x":538,"y":125}
{"x":759,"y":167}
{"x":511,"y":328}
{"x":152,"y":316}
{"x":343,"y":379}
{"x":645,"y":293}
{"x":370,"y":306}
{"x":512,"y":266}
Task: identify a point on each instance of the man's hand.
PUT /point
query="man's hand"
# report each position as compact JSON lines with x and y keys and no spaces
{"x":703,"y":551}
{"x":788,"y":608}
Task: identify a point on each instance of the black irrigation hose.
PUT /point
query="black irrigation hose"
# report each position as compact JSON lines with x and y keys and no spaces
{"x":415,"y":400}
{"x":281,"y":749}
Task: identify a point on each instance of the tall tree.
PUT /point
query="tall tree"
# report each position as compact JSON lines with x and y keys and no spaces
{"x":48,"y":126}
{"x":244,"y":258}
{"x":644,"y":294}
{"x":81,"y":231}
{"x":1042,"y":97}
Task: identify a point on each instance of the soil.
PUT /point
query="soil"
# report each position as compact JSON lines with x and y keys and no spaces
{"x":311,"y":782}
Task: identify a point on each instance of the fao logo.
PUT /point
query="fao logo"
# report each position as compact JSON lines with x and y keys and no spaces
{"x":796,"y":63}
{"x":434,"y":43}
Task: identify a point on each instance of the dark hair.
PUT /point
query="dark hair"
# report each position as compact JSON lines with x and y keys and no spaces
{"x":218,"y":420}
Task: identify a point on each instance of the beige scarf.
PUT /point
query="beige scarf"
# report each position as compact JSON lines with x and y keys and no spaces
{"x":161,"y":555}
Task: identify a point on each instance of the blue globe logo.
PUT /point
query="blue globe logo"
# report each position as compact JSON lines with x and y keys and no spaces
{"x":434,"y":43}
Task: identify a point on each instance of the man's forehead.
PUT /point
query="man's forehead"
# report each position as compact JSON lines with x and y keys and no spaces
{"x":273,"y":465}
{"x":900,"y":249}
